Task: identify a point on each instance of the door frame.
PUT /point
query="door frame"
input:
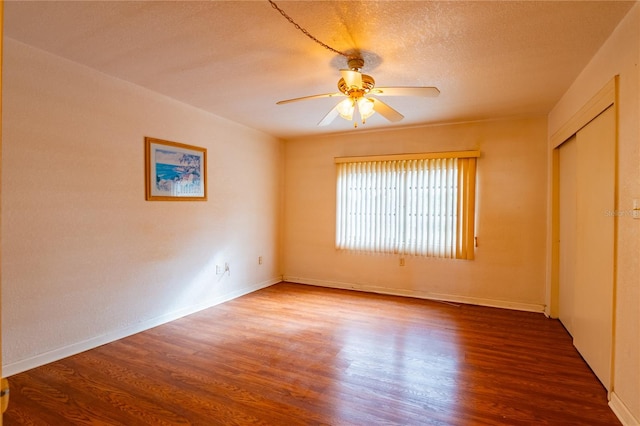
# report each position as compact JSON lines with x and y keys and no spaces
{"x":605,"y":98}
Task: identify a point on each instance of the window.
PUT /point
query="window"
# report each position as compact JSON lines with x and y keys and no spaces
{"x":414,"y":204}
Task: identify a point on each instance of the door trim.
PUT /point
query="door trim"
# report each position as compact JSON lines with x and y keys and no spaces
{"x":602,"y":100}
{"x":605,"y":98}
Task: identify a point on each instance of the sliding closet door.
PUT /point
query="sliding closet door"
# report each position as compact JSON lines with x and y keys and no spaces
{"x":592,"y":325}
{"x":568,"y":160}
{"x":586,"y":248}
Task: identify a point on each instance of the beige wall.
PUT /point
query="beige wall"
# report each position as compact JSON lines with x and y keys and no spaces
{"x":509,"y":269}
{"x":85,"y":258}
{"x":620,"y":55}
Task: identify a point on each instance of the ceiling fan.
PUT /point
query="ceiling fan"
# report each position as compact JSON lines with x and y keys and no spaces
{"x":362,"y":96}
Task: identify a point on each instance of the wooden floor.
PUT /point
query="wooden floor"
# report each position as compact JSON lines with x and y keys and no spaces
{"x":301,"y":355}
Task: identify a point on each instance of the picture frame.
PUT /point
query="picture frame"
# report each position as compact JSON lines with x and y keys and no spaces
{"x":174,"y":171}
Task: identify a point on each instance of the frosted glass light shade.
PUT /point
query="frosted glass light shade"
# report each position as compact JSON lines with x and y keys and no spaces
{"x":365,"y":106}
{"x":345,"y":109}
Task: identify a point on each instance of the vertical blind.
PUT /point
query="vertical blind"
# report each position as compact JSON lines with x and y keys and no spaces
{"x":410,"y":204}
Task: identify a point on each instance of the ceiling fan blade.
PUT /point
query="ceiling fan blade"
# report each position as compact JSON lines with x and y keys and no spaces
{"x":331,"y":115}
{"x":352,"y":78}
{"x":386,"y":111}
{"x":406,"y":91}
{"x":304,"y":98}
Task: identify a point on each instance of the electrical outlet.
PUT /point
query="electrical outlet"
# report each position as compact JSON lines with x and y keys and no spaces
{"x":259,"y":260}
{"x":402,"y":261}
{"x":218,"y":269}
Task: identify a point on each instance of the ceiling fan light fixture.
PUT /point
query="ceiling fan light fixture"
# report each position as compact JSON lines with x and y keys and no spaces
{"x":365,"y":107}
{"x":356,"y":86}
{"x":345,"y":108}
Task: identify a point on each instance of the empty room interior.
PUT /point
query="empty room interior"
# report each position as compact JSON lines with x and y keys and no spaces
{"x":320,"y":212}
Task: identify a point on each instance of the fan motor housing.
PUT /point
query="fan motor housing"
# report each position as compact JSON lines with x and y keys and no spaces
{"x":368,"y":83}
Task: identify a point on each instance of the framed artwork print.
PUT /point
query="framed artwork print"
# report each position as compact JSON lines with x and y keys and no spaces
{"x":175,"y":171}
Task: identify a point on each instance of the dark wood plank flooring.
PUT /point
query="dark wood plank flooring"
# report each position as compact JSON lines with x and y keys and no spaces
{"x":300,"y":355}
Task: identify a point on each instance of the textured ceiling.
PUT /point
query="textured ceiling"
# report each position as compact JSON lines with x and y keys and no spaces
{"x":236,"y":59}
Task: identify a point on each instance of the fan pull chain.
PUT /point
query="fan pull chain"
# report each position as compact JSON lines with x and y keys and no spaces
{"x":304,"y":31}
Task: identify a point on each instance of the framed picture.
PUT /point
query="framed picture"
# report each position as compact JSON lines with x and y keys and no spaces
{"x":175,"y":171}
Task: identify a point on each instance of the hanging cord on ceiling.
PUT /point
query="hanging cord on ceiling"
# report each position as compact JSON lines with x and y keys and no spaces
{"x":305,"y":32}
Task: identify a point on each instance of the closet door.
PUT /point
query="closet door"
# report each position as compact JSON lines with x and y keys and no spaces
{"x":592,"y":323}
{"x":568,"y":159}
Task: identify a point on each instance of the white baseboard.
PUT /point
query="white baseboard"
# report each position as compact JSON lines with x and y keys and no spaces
{"x":76,"y":348}
{"x":528,"y":307}
{"x":621,"y":411}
